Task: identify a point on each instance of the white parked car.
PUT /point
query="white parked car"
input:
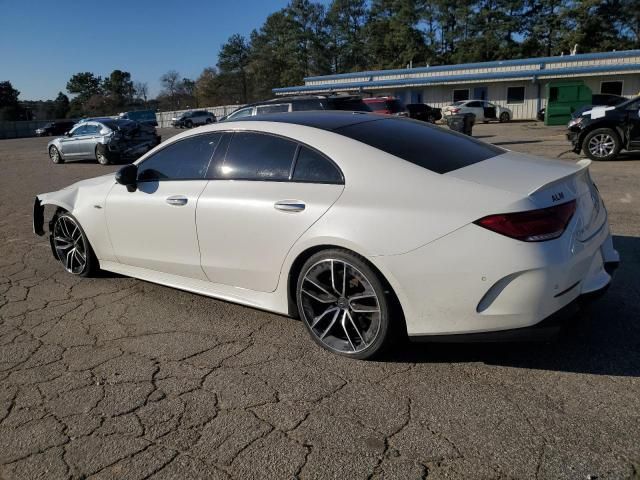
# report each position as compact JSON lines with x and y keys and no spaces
{"x":484,"y":111}
{"x":364,"y":226}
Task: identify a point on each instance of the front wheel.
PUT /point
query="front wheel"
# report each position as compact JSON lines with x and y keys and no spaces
{"x":55,"y":156}
{"x":343,"y":304}
{"x":188,"y":124}
{"x":71,"y":246}
{"x":102,"y":156}
{"x":504,"y":117}
{"x":602,"y":144}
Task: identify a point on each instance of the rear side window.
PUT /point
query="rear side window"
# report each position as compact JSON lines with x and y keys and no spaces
{"x":264,"y":109}
{"x":256,"y":156}
{"x":183,"y":160}
{"x":427,"y":146}
{"x":314,"y":167}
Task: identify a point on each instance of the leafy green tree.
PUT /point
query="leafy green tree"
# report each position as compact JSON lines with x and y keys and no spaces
{"x":233,"y":62}
{"x":9,"y":106}
{"x":61,"y":106}
{"x":84,"y":85}
{"x":118,"y":87}
{"x":393,"y":38}
{"x":346,"y":22}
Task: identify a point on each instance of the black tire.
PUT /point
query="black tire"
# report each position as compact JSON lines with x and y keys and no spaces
{"x":375,"y":333}
{"x":602,"y":144}
{"x":504,"y":117}
{"x":102,"y":155}
{"x":188,"y":124}
{"x":207,"y":121}
{"x":54,"y":155}
{"x":61,"y":223}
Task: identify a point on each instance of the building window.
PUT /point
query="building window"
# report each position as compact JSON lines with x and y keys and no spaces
{"x":613,"y":88}
{"x":515,"y":94}
{"x":460,"y":94}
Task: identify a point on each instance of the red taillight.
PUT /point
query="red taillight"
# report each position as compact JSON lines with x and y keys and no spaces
{"x":533,"y":225}
{"x":454,"y":110}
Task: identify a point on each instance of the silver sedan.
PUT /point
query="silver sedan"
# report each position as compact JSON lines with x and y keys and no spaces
{"x":106,"y":141}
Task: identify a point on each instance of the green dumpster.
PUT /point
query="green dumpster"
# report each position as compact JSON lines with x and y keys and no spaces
{"x":564,"y":98}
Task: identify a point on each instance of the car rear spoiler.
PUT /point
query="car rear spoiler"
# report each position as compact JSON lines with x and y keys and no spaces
{"x":582,"y":166}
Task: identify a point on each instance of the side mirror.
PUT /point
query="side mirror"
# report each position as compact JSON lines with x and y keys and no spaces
{"x":128,"y":176}
{"x":67,"y":134}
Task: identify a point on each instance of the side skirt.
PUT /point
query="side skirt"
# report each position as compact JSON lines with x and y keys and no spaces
{"x":275,"y":302}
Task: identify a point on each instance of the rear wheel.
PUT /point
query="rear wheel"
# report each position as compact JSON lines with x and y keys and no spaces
{"x":188,"y":124}
{"x":343,"y":304}
{"x":504,"y":117}
{"x":54,"y":155}
{"x":71,"y":246}
{"x":602,"y":144}
{"x":208,"y":121}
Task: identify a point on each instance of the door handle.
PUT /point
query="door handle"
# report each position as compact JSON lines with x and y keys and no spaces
{"x":289,"y":205}
{"x":177,"y":200}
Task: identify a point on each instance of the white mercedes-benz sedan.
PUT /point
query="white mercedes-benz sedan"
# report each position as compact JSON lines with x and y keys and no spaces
{"x":363,"y":226}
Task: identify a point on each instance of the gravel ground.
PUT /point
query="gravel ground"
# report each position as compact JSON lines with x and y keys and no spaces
{"x":113,"y":377}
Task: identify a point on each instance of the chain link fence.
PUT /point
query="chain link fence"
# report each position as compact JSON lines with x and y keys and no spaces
{"x":23,"y":129}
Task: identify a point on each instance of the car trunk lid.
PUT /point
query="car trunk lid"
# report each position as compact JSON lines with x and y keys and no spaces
{"x":545,"y":182}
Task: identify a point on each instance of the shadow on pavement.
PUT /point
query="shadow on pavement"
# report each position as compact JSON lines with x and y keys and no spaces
{"x":603,"y":339}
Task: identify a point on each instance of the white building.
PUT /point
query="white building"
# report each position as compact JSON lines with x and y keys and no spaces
{"x":516,"y":84}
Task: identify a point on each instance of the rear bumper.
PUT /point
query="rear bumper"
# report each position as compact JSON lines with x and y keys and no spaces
{"x":474,"y":282}
{"x":547,"y":329}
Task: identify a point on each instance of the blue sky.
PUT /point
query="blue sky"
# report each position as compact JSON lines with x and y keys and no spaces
{"x":43,"y":43}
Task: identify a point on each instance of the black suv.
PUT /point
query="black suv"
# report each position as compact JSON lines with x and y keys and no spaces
{"x":601,"y":132}
{"x":299,"y":103}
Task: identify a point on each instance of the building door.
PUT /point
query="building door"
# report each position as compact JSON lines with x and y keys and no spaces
{"x":480,"y":93}
{"x":416,"y":96}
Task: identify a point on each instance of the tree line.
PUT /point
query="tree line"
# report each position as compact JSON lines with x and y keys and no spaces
{"x":306,"y":38}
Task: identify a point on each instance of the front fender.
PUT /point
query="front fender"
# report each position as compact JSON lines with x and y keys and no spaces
{"x":64,"y":199}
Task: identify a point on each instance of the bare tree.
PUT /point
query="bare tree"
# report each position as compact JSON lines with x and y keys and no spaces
{"x":142,"y":91}
{"x":171,"y":83}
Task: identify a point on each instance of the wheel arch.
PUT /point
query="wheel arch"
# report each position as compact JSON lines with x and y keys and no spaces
{"x":303,"y":256}
{"x":605,"y":124}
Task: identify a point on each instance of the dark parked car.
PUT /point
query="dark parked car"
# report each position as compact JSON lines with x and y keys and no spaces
{"x":193,"y":118}
{"x":597,"y":99}
{"x":424,"y":112}
{"x":385,"y":105}
{"x":144,"y":117}
{"x":601,"y":132}
{"x":300,"y":103}
{"x":106,"y":140}
{"x":55,"y":128}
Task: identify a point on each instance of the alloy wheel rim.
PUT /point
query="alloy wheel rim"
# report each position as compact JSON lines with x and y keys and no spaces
{"x":601,"y":145}
{"x":54,"y":154}
{"x":340,"y":306}
{"x":69,"y":244}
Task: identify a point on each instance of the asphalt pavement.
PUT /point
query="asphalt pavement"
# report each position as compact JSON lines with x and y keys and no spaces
{"x":113,"y":377}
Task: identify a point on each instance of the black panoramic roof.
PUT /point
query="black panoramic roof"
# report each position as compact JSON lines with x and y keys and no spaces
{"x":433,"y":148}
{"x":325,"y":120}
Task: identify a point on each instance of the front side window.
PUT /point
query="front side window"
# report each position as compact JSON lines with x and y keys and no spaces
{"x":91,"y":130}
{"x":183,"y":160}
{"x":313,"y":167}
{"x":515,"y":94}
{"x":245,"y":112}
{"x":255,"y":156}
{"x":76,"y":132}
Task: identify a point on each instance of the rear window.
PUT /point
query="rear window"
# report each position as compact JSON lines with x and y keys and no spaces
{"x":427,"y":146}
{"x":377,"y":106}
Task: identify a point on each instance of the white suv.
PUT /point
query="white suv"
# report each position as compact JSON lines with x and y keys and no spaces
{"x":484,"y":111}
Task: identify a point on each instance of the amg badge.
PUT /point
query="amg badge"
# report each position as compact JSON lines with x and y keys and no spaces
{"x":556,"y":197}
